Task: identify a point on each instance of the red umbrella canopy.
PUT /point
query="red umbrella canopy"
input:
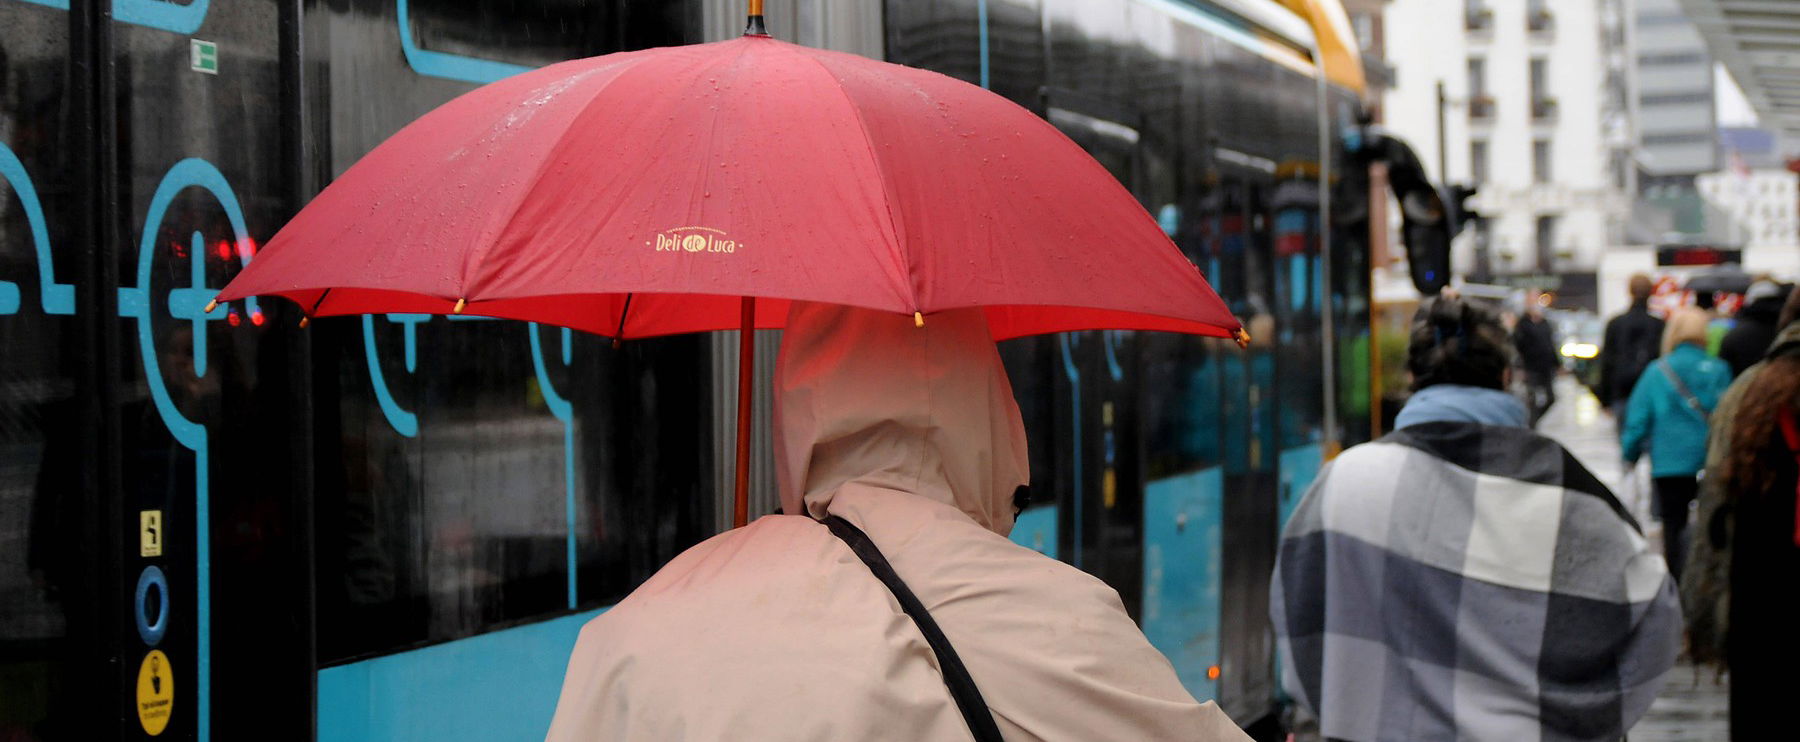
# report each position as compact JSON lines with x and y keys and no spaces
{"x":642,"y":193}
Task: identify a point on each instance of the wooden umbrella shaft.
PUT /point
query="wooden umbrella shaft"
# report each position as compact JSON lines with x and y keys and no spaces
{"x":746,"y":373}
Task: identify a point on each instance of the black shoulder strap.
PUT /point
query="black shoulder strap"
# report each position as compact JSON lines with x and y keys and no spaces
{"x":1692,"y":401}
{"x":962,"y":687}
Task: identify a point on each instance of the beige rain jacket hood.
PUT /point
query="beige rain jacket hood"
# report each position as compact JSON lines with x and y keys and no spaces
{"x":776,"y":631}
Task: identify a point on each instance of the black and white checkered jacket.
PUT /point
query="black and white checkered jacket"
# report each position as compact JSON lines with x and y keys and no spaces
{"x":1459,"y":581}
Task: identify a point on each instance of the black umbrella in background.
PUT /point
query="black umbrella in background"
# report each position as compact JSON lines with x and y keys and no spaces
{"x":1724,"y":279}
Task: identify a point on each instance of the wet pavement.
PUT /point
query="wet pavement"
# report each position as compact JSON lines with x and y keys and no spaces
{"x":1693,"y":705}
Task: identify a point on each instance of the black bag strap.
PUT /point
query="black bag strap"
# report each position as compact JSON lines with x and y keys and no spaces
{"x":962,"y":687}
{"x":1693,"y":402}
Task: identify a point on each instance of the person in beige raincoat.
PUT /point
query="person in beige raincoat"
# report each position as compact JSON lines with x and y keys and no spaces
{"x":777,"y":631}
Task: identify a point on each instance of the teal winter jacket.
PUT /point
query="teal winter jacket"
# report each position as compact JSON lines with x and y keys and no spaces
{"x":1660,"y":418}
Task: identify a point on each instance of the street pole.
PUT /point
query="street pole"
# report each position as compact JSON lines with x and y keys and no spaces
{"x":1443,"y":144}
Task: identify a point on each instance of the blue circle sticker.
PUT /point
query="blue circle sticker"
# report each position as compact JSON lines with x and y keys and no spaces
{"x":152,"y":633}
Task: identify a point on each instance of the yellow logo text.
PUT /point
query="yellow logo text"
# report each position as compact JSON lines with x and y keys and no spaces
{"x":693,"y":239}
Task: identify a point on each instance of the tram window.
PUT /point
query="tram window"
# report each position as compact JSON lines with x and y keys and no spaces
{"x":1029,"y":366}
{"x":535,"y":33}
{"x":463,"y":528}
{"x":48,"y":432}
{"x":454,"y":521}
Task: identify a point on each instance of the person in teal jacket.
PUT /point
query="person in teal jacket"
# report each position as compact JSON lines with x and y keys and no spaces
{"x":1673,"y":424}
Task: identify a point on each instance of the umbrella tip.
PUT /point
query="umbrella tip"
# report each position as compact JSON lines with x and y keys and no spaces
{"x":615,"y":343}
{"x":304,"y":321}
{"x":460,"y":303}
{"x":211,"y":305}
{"x":1242,"y":337}
{"x":918,"y":319}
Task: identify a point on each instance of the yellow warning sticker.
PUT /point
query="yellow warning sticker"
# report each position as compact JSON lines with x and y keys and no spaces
{"x":155,"y":692}
{"x":150,"y":533}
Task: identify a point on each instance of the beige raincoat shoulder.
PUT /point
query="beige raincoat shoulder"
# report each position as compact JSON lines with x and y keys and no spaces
{"x":776,"y":631}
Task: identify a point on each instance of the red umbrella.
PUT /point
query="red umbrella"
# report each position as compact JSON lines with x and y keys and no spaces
{"x":664,"y":191}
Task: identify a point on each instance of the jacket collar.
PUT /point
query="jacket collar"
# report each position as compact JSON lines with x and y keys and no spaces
{"x":1458,"y":403}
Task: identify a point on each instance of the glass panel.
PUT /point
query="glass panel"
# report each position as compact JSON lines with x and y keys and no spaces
{"x":453,"y":453}
{"x":1546,"y":242}
{"x":49,"y":437}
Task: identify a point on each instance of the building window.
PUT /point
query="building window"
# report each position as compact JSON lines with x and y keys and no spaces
{"x":1537,"y":17}
{"x":1540,"y":161}
{"x":1546,"y":243}
{"x":1478,"y":161}
{"x":1671,"y":59}
{"x":1481,"y":105}
{"x":1477,"y":17}
{"x":1669,"y":99}
{"x":1661,"y":19}
{"x":1364,"y":23}
{"x":1667,"y":139}
{"x":1543,"y":105}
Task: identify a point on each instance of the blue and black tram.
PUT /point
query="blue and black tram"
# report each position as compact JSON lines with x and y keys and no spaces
{"x":390,"y":527}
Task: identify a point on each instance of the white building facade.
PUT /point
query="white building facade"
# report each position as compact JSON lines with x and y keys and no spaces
{"x":1537,"y":113}
{"x":1761,"y":204}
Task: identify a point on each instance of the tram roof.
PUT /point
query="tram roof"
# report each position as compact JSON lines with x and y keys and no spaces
{"x":1303,"y":34}
{"x":1759,"y":41}
{"x":1336,"y":40}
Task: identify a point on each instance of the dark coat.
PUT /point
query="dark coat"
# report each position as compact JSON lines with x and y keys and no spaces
{"x":1762,"y":646}
{"x":1632,"y":341}
{"x":1750,"y":338}
{"x":1537,"y":347}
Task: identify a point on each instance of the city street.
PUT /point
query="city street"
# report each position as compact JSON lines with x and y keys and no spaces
{"x":1692,"y":706}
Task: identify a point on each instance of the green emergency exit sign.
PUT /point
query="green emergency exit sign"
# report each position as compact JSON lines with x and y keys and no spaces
{"x":203,"y":56}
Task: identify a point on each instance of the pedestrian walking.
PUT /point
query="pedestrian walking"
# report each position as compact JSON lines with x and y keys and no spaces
{"x":899,"y":452}
{"x":1632,"y":341}
{"x":1755,"y":326}
{"x":1706,"y":585}
{"x":1536,"y":344}
{"x":1667,"y":417}
{"x":1464,"y":577}
{"x":1761,"y":485}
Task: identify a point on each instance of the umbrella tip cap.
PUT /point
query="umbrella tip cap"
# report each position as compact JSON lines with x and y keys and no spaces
{"x":918,"y":319}
{"x":304,"y":321}
{"x":460,"y":303}
{"x":1242,"y":337}
{"x":211,"y":305}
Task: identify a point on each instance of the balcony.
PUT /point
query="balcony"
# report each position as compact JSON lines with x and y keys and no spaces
{"x":1540,"y":22}
{"x":1481,"y":108}
{"x":1478,"y":21}
{"x":1543,"y":110}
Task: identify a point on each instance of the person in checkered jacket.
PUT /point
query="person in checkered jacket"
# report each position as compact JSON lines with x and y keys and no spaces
{"x":1465,"y":577}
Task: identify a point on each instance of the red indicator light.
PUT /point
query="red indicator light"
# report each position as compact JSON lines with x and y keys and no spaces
{"x":177,"y":249}
{"x":232,"y":318}
{"x":256,"y":317}
{"x":224,"y":250}
{"x":246,"y":248}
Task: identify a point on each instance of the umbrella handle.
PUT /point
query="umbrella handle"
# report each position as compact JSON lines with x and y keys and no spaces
{"x":746,"y":369}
